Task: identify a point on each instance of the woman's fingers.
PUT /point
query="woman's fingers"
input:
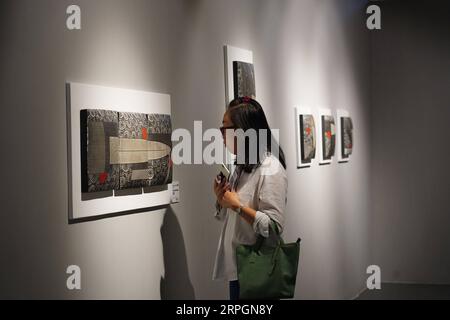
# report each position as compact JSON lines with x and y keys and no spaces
{"x":218,"y":185}
{"x":221,"y":187}
{"x":225,"y":187}
{"x":227,"y":199}
{"x":221,"y":193}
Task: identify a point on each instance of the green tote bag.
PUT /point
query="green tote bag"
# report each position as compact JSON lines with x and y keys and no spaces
{"x":267,"y":272}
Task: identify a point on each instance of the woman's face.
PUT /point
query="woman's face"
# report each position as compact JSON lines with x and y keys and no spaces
{"x":229,"y":138}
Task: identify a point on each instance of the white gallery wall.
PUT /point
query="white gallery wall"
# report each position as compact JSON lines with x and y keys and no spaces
{"x":312,"y":53}
{"x":121,"y":44}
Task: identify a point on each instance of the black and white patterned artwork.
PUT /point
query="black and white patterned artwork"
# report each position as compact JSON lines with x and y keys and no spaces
{"x":308,"y":137}
{"x":244,"y":79}
{"x":346,"y":137}
{"x":124,"y":150}
{"x":328,"y":137}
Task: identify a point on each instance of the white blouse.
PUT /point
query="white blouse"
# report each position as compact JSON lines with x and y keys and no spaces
{"x":264,"y":190}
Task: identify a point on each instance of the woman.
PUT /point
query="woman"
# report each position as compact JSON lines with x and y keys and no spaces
{"x":254,"y":196}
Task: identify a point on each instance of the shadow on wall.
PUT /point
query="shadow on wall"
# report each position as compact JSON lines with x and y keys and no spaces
{"x":175,"y":285}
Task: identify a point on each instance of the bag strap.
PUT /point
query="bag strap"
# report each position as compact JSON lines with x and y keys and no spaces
{"x":260,"y":240}
{"x":274,"y":226}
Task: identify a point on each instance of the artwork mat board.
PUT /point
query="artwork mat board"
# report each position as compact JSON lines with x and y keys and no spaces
{"x":85,"y":96}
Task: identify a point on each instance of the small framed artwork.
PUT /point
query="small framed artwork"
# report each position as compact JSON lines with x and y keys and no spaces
{"x":239,"y":73}
{"x":124,"y":150}
{"x":239,"y":81}
{"x":345,"y":135}
{"x":327,"y":136}
{"x":306,"y":137}
{"x":244,"y":79}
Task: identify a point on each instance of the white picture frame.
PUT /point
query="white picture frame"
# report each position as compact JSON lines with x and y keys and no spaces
{"x":299,"y":110}
{"x":233,"y":54}
{"x":84,"y":96}
{"x":324,"y":112}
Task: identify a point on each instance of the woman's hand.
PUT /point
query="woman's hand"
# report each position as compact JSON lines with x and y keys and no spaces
{"x":231,"y":200}
{"x":219,"y":189}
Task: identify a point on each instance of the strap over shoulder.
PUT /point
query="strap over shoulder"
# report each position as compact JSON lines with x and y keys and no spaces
{"x":260,"y":240}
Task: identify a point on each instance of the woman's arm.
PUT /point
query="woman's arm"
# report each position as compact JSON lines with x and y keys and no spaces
{"x":231,"y":200}
{"x":271,"y":205}
{"x":260,"y":219}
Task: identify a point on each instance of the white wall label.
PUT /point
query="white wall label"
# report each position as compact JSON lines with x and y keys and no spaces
{"x":175,"y":196}
{"x":73,"y":21}
{"x":374,"y":20}
{"x":74,"y":280}
{"x":374,"y":280}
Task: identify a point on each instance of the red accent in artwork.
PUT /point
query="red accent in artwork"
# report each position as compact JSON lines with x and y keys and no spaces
{"x":102,"y":178}
{"x":308,"y":131}
{"x":144,"y":133}
{"x":328,"y":133}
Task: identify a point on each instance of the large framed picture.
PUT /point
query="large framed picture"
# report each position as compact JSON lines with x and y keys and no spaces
{"x":119,"y":150}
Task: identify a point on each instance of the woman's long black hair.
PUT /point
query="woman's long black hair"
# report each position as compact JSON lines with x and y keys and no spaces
{"x":246,"y":113}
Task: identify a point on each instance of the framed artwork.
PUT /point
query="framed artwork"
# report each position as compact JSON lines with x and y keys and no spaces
{"x":243,"y":59}
{"x":119,"y":150}
{"x":306,"y":137}
{"x":345,"y":135}
{"x":124,"y":150}
{"x":244,"y":79}
{"x":327,"y":131}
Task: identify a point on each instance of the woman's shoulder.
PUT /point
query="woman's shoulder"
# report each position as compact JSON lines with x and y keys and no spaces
{"x":271,"y":159}
{"x":271,"y":165}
